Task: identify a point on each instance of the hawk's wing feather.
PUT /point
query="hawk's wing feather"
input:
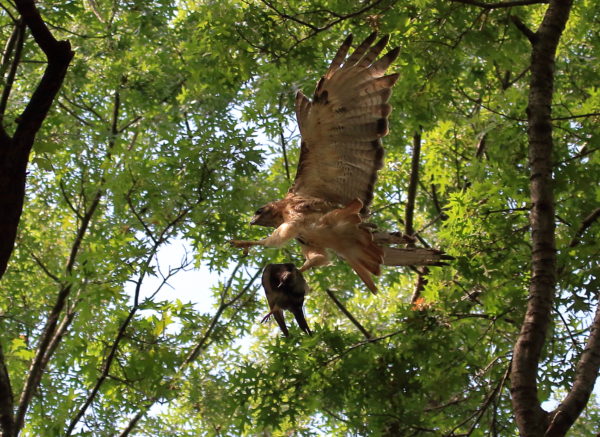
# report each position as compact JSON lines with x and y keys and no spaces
{"x":342,"y":127}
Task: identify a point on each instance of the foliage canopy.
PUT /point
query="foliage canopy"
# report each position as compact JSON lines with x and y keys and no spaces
{"x":176,"y":120}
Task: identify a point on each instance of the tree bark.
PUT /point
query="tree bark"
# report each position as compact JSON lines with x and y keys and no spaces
{"x":531,"y":419}
{"x":7,"y":419}
{"x":15,"y":150}
{"x":563,"y":417}
{"x":14,"y":157}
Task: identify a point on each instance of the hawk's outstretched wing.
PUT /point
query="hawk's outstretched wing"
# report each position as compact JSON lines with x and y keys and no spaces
{"x":342,"y":127}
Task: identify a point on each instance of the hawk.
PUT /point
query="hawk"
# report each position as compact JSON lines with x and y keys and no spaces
{"x":341,"y":152}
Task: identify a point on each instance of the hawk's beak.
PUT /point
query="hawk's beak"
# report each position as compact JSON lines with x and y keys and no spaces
{"x":254,"y":219}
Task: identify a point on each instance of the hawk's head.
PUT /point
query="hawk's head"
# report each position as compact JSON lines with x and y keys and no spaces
{"x":270,"y":215}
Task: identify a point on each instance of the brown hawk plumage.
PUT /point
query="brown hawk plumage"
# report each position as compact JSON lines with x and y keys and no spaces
{"x":341,"y":152}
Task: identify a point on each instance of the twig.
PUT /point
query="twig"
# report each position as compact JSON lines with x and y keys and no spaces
{"x":121,"y":332}
{"x":570,"y":117}
{"x":202,"y":343}
{"x":8,"y":50}
{"x":585,"y":224}
{"x":332,"y":23}
{"x":347,"y":313}
{"x":478,"y":414}
{"x":12,"y":17}
{"x":359,"y":344}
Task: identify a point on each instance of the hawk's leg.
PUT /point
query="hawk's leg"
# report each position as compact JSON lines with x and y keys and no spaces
{"x":314,"y":257}
{"x":278,"y":238}
{"x":243,"y":244}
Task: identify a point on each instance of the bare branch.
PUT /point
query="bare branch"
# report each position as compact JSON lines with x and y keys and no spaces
{"x":360,"y":344}
{"x":570,"y":117}
{"x":14,"y":152}
{"x":49,"y":340}
{"x":124,"y":325}
{"x":8,"y":12}
{"x":283,"y":141}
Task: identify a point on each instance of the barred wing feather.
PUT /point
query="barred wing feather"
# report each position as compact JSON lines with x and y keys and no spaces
{"x":342,"y":126}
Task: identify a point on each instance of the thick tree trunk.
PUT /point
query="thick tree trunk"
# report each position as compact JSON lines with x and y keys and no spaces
{"x":14,"y":152}
{"x":14,"y":157}
{"x":531,"y":419}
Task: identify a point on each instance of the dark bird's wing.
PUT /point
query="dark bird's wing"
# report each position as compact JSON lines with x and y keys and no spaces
{"x":342,"y":126}
{"x":285,"y":289}
{"x":270,"y":282}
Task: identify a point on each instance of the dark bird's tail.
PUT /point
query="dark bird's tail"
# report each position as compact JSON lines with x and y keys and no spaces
{"x":299,"y":315}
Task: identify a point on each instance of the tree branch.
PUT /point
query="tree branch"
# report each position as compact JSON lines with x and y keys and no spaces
{"x":201,"y":345}
{"x":49,"y":339}
{"x":412,"y":185}
{"x":125,"y":324}
{"x":14,"y":152}
{"x":7,"y":418}
{"x":570,"y":117}
{"x":16,"y":41}
{"x":586,"y":372}
{"x":348,"y":314}
{"x":585,"y":224}
{"x":531,"y":36}
{"x":283,"y":141}
{"x":529,"y":415}
{"x":498,"y":5}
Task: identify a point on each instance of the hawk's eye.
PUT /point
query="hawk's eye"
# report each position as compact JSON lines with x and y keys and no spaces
{"x":259,"y":211}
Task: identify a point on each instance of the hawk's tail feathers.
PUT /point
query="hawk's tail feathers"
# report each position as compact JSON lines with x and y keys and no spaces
{"x":414,"y":256}
{"x":366,"y":260}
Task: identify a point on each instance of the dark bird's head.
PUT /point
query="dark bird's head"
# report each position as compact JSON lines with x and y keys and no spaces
{"x":270,"y":215}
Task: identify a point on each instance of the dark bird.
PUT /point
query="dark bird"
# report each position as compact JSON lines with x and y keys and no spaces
{"x":340,"y":155}
{"x":285,"y":289}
